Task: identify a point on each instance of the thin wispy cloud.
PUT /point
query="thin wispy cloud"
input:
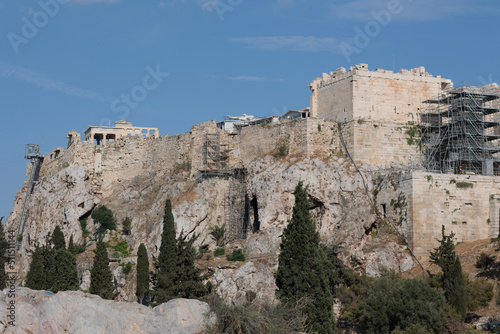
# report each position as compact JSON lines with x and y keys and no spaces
{"x":246,"y":78}
{"x":295,"y":43}
{"x":19,"y":73}
{"x":421,"y":10}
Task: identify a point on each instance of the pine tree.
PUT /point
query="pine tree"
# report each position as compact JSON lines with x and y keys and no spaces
{"x":452,"y":279}
{"x":167,"y":259}
{"x":100,"y":275}
{"x":3,"y":260}
{"x":188,"y":280}
{"x":142,"y":287}
{"x":64,"y":271}
{"x":304,"y":270}
{"x":35,"y":279}
{"x":58,"y":238}
{"x":71,"y":245}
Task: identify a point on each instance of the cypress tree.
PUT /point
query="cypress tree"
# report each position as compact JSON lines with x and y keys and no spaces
{"x":3,"y":260}
{"x":304,"y":270}
{"x":35,"y":279}
{"x":64,"y":271}
{"x":71,"y":245}
{"x":142,"y":287}
{"x":100,"y":275}
{"x":48,"y":254}
{"x":58,"y":238}
{"x":188,"y":280}
{"x":453,"y":282}
{"x":167,"y":259}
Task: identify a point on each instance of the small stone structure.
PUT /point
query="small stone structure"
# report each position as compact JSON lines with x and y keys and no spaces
{"x":103,"y":134}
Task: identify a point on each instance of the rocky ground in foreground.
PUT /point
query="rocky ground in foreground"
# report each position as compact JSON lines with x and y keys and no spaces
{"x":77,"y":312}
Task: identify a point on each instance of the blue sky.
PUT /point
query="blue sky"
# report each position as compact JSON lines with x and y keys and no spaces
{"x":65,"y":64}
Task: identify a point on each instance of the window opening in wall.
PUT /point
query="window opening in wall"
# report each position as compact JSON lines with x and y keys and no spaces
{"x":464,"y":223}
{"x":454,"y":222}
{"x":384,"y":208}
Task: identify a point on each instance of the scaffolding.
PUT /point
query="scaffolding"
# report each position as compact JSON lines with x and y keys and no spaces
{"x":215,"y":155}
{"x":461,"y":131}
{"x":236,"y":206}
{"x":216,"y":164}
{"x":33,"y":154}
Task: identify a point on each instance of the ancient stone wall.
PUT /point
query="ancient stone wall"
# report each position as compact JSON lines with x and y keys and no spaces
{"x":302,"y":137}
{"x":378,"y":95}
{"x":467,"y":205}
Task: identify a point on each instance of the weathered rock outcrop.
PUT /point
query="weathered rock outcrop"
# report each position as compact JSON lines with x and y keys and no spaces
{"x":339,"y":204}
{"x":80,"y":313}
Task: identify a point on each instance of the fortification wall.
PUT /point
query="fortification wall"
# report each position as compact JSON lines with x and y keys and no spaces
{"x":302,"y":137}
{"x":467,"y":205}
{"x":378,"y":95}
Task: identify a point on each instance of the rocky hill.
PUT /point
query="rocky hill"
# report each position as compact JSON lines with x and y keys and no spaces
{"x":339,"y":203}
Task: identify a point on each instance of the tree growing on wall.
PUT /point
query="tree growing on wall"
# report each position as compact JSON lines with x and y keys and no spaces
{"x":58,"y":238}
{"x":453,"y":282}
{"x":304,"y":270}
{"x":64,"y":271}
{"x":167,"y":259}
{"x":105,"y":218}
{"x":142,"y":287}
{"x":100,"y":275}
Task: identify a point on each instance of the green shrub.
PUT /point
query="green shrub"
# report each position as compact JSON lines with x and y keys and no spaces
{"x":219,"y":251}
{"x":202,"y":249}
{"x":413,"y":329}
{"x":236,"y":255}
{"x":282,"y":147}
{"x":126,"y":268}
{"x":250,"y":295}
{"x":479,"y":293}
{"x":484,"y":261}
{"x":80,"y":248}
{"x":255,"y":318}
{"x":121,"y":249}
{"x":394,"y":303}
{"x":126,"y":225}
{"x":464,"y":185}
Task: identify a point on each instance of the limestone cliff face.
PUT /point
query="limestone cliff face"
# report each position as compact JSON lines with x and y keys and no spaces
{"x":339,"y":204}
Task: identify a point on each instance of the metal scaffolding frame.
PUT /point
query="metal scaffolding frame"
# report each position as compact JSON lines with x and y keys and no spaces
{"x":216,"y":164}
{"x":235,"y":206}
{"x":461,"y":131}
{"x":215,"y":153}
